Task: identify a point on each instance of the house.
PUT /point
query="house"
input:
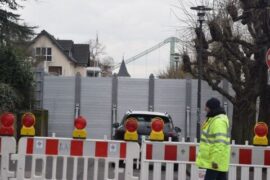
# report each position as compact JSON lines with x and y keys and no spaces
{"x":59,"y":57}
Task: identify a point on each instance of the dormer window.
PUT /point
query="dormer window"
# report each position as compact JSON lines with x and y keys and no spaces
{"x":44,"y":53}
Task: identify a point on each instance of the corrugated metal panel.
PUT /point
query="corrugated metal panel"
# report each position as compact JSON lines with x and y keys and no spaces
{"x":170,"y":96}
{"x":132,"y":94}
{"x":96,"y":97}
{"x":59,"y":100}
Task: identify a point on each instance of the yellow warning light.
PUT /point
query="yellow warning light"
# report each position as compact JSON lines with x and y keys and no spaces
{"x":261,"y":131}
{"x":131,"y":127}
{"x":79,"y":132}
{"x":28,"y":122}
{"x":157,"y":126}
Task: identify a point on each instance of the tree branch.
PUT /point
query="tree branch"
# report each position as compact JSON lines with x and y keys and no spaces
{"x":219,"y":89}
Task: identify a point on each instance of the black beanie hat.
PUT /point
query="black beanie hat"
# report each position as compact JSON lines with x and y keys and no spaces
{"x":213,"y":103}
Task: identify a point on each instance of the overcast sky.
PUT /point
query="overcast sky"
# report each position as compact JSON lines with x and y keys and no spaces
{"x":125,"y":27}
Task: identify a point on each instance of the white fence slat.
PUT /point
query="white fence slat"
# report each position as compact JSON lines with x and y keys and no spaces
{"x":169,"y":171}
{"x":194,"y":172}
{"x":144,"y":170}
{"x":244,"y":173}
{"x":21,"y":167}
{"x":157,"y":171}
{"x":96,"y":169}
{"x":54,"y":159}
{"x":64,"y":172}
{"x":268,"y":174}
{"x":182,"y":171}
{"x":33,"y":167}
{"x":106,"y":170}
{"x":116,"y":170}
{"x":44,"y":163}
{"x":232,"y":173}
{"x":257,"y":173}
{"x":85,"y":168}
{"x":75,"y":168}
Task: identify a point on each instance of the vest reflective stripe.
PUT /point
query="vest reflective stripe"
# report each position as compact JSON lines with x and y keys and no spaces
{"x":215,"y":141}
{"x":226,"y":135}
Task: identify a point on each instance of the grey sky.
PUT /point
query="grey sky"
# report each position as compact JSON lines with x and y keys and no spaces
{"x":125,"y":27}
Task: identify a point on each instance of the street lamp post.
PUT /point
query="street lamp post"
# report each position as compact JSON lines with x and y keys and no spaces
{"x":201,"y":13}
{"x":176,"y":57}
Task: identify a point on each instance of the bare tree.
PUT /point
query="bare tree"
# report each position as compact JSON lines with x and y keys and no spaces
{"x":234,"y":45}
{"x":173,"y":73}
{"x":99,"y":58}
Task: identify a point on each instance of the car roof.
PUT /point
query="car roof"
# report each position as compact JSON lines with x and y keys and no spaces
{"x":148,"y":112}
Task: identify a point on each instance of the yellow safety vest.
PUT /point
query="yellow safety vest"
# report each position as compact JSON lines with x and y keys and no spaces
{"x":215,"y":144}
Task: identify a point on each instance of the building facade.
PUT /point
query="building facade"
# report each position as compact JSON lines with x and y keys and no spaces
{"x":59,"y":57}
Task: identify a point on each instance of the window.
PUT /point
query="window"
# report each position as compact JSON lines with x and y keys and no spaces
{"x":55,"y":70}
{"x":43,"y":53}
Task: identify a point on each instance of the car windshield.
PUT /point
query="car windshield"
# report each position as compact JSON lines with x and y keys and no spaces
{"x":145,"y":119}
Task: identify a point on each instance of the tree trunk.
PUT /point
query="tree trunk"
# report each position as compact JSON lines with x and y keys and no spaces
{"x":264,"y":112}
{"x":244,"y":119}
{"x":264,"y":107}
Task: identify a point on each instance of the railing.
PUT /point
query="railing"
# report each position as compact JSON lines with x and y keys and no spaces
{"x":67,"y":158}
{"x":178,"y":160}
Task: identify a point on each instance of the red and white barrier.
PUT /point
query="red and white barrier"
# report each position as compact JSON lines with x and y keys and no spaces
{"x":171,"y":151}
{"x":246,"y":156}
{"x":39,"y":148}
{"x":170,"y":155}
{"x":250,"y":155}
{"x":7,"y":147}
{"x":66,"y":158}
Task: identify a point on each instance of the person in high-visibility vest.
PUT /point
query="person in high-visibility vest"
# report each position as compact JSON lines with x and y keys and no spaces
{"x":214,"y":148}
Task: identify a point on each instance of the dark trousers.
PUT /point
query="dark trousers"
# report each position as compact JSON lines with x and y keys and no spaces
{"x":215,"y":175}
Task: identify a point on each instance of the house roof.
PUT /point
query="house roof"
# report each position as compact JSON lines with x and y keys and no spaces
{"x":123,"y":70}
{"x":79,"y":52}
{"x":66,"y":44}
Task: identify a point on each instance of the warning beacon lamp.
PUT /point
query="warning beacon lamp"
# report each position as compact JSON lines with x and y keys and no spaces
{"x":28,"y":123}
{"x":131,"y":127}
{"x":157,"y":126}
{"x":261,"y":131}
{"x":79,"y":132}
{"x":7,"y":120}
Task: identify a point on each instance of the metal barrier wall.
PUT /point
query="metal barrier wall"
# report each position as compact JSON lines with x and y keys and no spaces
{"x":49,"y":158}
{"x":178,"y":160}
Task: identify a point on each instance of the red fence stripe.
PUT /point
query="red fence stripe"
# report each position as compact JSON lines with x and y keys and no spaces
{"x":101,"y":149}
{"x":267,"y":157}
{"x":29,"y":147}
{"x":123,"y":150}
{"x":51,"y":147}
{"x":76,"y":148}
{"x":245,"y":156}
{"x":192,"y":153}
{"x":170,"y":153}
{"x":149,"y":149}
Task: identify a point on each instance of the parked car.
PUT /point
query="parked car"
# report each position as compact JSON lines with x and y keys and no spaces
{"x":144,"y":119}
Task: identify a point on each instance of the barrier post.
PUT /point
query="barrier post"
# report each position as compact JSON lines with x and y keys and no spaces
{"x":6,"y":151}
